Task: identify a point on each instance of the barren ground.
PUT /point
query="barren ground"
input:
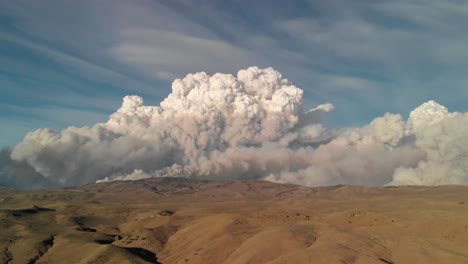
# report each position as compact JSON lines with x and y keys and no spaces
{"x":169,"y":220}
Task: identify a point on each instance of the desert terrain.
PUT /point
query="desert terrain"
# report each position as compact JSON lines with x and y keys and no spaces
{"x":176,"y":220}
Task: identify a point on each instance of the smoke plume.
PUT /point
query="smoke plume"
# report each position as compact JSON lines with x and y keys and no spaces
{"x":252,"y":126}
{"x":19,"y":174}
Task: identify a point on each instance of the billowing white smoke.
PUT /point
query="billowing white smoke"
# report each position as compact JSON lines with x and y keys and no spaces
{"x":252,"y":126}
{"x":444,"y":138}
{"x":135,"y":175}
{"x":203,"y":114}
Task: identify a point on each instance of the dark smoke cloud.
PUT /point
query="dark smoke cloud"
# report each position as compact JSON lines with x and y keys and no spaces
{"x":19,"y":174}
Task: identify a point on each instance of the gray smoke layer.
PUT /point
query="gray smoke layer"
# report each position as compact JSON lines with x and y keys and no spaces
{"x":19,"y":174}
{"x":252,"y":126}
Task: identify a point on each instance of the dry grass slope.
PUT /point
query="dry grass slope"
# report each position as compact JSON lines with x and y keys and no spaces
{"x":168,"y":220}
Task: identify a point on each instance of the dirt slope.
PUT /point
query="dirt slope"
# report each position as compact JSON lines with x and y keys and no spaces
{"x":167,"y":220}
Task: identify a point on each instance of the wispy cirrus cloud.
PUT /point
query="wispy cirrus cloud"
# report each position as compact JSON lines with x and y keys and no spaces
{"x":86,"y":70}
{"x":166,"y":54}
{"x":367,"y":57}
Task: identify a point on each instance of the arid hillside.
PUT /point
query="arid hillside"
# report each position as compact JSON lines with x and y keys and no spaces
{"x":175,"y":220}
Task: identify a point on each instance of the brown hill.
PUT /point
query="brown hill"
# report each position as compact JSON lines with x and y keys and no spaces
{"x":175,"y":220}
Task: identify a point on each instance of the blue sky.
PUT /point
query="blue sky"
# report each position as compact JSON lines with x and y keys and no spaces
{"x":68,"y":63}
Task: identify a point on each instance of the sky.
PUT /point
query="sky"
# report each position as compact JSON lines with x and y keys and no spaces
{"x":68,"y":63}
